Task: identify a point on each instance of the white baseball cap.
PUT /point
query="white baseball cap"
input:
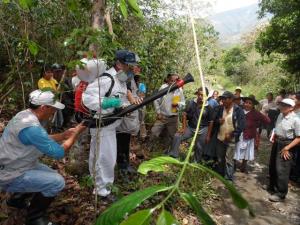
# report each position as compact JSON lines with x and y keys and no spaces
{"x":39,"y":97}
{"x":288,"y":101}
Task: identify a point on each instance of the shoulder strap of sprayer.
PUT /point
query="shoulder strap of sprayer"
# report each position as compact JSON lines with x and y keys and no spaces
{"x":92,"y":123}
{"x":108,"y":93}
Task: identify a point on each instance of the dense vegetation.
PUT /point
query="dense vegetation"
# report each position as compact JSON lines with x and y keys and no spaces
{"x":37,"y":32}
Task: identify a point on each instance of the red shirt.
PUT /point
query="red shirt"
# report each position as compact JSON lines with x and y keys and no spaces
{"x":253,"y":121}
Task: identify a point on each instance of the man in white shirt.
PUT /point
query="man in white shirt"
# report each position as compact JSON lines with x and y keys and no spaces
{"x":167,"y":111}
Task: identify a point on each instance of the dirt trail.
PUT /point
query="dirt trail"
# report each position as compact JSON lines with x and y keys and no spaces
{"x":250,"y":185}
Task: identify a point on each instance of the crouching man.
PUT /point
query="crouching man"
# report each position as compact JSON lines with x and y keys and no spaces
{"x":24,"y":140}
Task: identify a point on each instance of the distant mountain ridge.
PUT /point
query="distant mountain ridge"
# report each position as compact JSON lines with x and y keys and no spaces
{"x":234,"y":23}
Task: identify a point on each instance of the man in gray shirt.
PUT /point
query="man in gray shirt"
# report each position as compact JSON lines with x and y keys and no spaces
{"x":24,"y":140}
{"x":286,"y":137}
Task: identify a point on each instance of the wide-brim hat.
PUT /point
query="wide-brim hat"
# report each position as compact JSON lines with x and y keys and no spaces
{"x":251,"y":98}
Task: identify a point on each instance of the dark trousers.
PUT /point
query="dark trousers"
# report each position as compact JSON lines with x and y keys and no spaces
{"x":221,"y":149}
{"x":123,"y":146}
{"x":295,"y":172}
{"x":279,"y":169}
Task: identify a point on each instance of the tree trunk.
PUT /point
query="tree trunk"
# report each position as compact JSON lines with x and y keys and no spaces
{"x":78,"y":156}
{"x":98,"y":19}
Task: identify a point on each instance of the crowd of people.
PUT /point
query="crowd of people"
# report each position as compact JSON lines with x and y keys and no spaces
{"x":229,"y":134}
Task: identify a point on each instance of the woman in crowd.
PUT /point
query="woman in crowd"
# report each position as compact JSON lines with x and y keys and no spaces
{"x":245,"y":147}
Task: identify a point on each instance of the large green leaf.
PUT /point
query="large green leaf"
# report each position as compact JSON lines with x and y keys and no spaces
{"x":157,"y":164}
{"x":237,"y":198}
{"x":123,"y":8}
{"x":33,"y":48}
{"x":116,"y":213}
{"x":142,"y":217}
{"x":196,"y":206}
{"x":134,"y":6}
{"x":166,"y":218}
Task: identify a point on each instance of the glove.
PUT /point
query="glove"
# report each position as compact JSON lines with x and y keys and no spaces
{"x":142,"y":88}
{"x":110,"y":103}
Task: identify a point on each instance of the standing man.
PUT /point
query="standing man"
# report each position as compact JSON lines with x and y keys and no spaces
{"x":238,"y":96}
{"x":285,"y":140}
{"x":23,"y":142}
{"x":230,"y":123}
{"x":167,"y":111}
{"x":238,"y":92}
{"x":130,"y":124}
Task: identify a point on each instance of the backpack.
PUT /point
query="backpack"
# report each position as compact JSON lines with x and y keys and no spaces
{"x":79,"y":107}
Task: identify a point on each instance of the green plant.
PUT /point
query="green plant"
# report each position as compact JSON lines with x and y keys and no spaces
{"x":86,"y":181}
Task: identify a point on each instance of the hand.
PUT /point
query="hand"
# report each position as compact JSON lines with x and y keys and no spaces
{"x":159,"y":116}
{"x":228,"y":137}
{"x":181,"y":131}
{"x":272,"y":139}
{"x":285,"y":154}
{"x":80,"y":127}
{"x":134,"y":100}
{"x":222,"y":121}
{"x":264,"y":113}
{"x":132,"y":156}
{"x":137,"y":101}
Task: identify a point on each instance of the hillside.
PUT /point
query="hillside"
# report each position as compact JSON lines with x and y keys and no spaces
{"x":234,"y":23}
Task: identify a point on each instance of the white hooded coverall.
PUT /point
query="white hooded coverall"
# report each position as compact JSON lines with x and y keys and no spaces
{"x":103,"y":140}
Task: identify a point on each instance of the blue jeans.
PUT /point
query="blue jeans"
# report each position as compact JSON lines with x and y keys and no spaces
{"x":40,"y":179}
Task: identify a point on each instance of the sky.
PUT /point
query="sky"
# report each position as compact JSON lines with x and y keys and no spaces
{"x":224,"y":5}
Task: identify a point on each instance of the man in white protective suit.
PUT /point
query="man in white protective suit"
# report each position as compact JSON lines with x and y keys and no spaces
{"x":103,"y":95}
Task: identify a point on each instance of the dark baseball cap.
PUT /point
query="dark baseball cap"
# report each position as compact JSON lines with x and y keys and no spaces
{"x":126,"y":57}
{"x":227,"y":94}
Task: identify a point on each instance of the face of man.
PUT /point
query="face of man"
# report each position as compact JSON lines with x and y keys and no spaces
{"x":238,"y":92}
{"x":47,"y":112}
{"x":172,"y":79}
{"x":200,"y":97}
{"x":136,"y":70}
{"x":124,"y":67}
{"x":57,"y":74}
{"x":227,"y":102}
{"x":285,"y":109}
